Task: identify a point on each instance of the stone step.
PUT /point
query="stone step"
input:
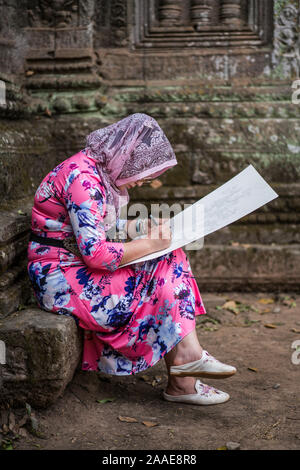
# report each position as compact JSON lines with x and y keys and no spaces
{"x":246,"y":267}
{"x":42,"y":352}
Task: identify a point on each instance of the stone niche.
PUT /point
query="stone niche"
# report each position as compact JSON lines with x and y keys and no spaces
{"x":176,"y":39}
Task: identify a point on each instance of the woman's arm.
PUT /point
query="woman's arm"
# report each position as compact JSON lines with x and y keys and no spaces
{"x":158,"y":238}
{"x":86,"y":207}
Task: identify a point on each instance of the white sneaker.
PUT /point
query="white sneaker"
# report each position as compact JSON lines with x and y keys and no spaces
{"x":206,"y":395}
{"x":207,"y":366}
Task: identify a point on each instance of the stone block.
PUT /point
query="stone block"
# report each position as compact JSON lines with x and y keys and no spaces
{"x":43,"y":350}
{"x":246,"y":268}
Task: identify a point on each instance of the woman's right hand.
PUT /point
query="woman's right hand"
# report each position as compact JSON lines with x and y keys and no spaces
{"x":159,"y":236}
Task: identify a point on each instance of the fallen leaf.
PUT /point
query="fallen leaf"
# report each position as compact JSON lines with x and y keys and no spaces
{"x":266,"y":301}
{"x":127,"y":419}
{"x":249,"y":322}
{"x":253,"y":369}
{"x":149,"y":424}
{"x":289,"y":302}
{"x":207,"y":328}
{"x":146,"y":378}
{"x":265,"y":310}
{"x":23,"y":421}
{"x":231,"y":306}
{"x":7,"y":444}
{"x":11,"y":421}
{"x":5,"y":428}
{"x":23,"y":432}
{"x":294,"y":330}
{"x":105,"y":400}
{"x":156,"y":184}
{"x":270,"y":325}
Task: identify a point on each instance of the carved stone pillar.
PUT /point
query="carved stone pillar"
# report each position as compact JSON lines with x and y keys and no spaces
{"x":169,"y":12}
{"x":230,"y":12}
{"x":201,"y":12}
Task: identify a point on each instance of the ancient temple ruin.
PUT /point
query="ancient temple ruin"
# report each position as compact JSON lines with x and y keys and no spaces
{"x":218,"y":75}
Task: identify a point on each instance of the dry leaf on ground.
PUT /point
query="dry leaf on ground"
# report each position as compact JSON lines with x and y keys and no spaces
{"x":253,"y":369}
{"x":289,"y":302}
{"x":105,"y":400}
{"x":146,"y":378}
{"x":127,"y":419}
{"x":266,"y":301}
{"x":265,"y":310}
{"x":231,"y":306}
{"x":149,"y":424}
{"x":270,"y":325}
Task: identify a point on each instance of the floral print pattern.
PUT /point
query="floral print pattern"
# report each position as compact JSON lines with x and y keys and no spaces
{"x":131,"y":316}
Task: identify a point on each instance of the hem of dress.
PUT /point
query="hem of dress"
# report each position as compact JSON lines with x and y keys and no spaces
{"x":148,"y":367}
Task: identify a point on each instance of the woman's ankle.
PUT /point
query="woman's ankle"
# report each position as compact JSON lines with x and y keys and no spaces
{"x":181,"y":385}
{"x":183,"y":357}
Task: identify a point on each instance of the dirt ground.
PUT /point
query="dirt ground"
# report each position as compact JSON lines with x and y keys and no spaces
{"x":256,"y":335}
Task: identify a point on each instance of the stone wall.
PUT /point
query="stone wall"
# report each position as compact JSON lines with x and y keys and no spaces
{"x":217,"y":76}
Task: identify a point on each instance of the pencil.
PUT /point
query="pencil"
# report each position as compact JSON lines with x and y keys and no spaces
{"x":152,"y":218}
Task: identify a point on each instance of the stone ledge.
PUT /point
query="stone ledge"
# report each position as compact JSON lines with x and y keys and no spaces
{"x":247,"y":267}
{"x":42,"y":352}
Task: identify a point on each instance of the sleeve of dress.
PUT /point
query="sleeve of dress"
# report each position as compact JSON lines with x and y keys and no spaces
{"x":85,"y":202}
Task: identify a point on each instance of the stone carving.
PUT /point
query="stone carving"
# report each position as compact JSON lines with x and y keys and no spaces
{"x":53,"y":13}
{"x":201,"y":23}
{"x":201,"y":13}
{"x":169,"y":12}
{"x":118,"y":13}
{"x":286,"y":38}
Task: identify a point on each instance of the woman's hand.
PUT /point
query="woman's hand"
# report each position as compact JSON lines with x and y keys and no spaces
{"x":159,"y":236}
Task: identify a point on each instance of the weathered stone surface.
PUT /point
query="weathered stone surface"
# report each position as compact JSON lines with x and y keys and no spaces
{"x":246,"y":268}
{"x":15,"y":295}
{"x":42,"y":352}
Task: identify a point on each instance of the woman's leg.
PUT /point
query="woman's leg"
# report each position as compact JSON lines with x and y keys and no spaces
{"x":187,"y":350}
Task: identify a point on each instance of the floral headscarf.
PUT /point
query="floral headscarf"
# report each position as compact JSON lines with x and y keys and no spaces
{"x":129,"y":150}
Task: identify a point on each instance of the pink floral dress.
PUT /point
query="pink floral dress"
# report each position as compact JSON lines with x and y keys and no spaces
{"x":132,"y":315}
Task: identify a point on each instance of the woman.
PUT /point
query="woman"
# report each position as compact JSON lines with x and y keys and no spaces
{"x":135,"y":315}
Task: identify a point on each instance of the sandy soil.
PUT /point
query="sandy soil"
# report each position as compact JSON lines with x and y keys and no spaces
{"x":262,"y":413}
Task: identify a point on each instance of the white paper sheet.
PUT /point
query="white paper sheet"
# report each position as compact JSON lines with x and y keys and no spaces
{"x":242,"y":194}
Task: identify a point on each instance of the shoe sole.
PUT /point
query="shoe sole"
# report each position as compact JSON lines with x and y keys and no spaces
{"x":186,"y":402}
{"x":208,"y":375}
